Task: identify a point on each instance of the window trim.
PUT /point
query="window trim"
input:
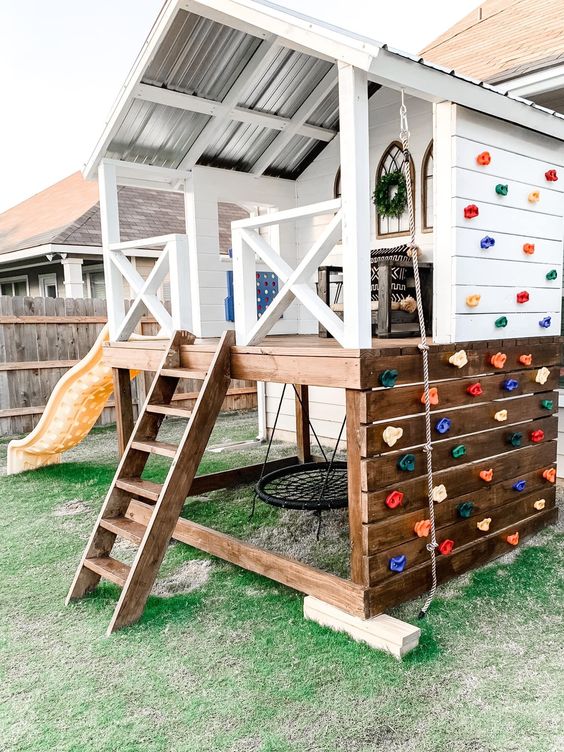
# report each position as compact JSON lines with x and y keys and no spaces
{"x":18,"y":278}
{"x":42,"y":278}
{"x":424,"y":193}
{"x":383,"y":235}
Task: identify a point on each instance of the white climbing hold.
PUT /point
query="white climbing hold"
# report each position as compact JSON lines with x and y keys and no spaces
{"x":542,"y":375}
{"x":484,"y":525}
{"x":459,"y":359}
{"x":439,"y":493}
{"x":392,"y":435}
{"x":500,"y":416}
{"x":539,"y":504}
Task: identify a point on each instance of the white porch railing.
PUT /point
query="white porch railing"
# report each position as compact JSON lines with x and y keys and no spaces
{"x":172,"y":261}
{"x":294,"y":283}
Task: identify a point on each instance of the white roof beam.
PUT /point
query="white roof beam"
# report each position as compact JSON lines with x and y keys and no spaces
{"x":191,"y":103}
{"x":318,"y":95}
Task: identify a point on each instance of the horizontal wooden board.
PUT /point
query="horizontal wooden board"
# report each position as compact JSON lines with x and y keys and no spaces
{"x":493,"y":219}
{"x":462,"y":532}
{"x":396,"y":527}
{"x":494,"y":299}
{"x":416,"y":581}
{"x":478,"y":417}
{"x":482,"y":326}
{"x":459,"y":480}
{"x":500,"y":273}
{"x":508,"y":247}
{"x":383,"y":404}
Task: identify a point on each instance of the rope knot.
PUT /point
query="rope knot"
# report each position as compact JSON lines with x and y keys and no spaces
{"x":423,"y":346}
{"x":432,"y":546}
{"x":428,"y":448}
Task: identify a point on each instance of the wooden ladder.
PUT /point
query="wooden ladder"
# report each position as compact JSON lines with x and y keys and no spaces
{"x":152,"y":540}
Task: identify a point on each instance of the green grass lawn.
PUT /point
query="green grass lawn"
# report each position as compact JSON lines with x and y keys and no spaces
{"x":223,"y":660}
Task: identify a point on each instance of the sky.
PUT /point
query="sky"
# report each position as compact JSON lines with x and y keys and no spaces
{"x":63,"y":63}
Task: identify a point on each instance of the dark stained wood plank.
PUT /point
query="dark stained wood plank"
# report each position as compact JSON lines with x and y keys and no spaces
{"x":124,"y":407}
{"x":301,"y":404}
{"x":352,"y":402}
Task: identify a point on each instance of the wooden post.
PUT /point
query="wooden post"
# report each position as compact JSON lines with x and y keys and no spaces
{"x":384,"y":298}
{"x":354,"y":485}
{"x":302,"y":422}
{"x":124,"y":407}
{"x":109,"y":221}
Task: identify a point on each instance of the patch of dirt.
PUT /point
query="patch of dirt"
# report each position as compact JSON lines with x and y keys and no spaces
{"x":190,"y":576}
{"x":71,"y":508}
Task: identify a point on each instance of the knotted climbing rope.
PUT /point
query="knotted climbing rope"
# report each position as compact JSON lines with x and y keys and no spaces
{"x":424,"y":349}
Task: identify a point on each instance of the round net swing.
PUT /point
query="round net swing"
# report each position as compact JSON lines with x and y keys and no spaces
{"x":313,"y":486}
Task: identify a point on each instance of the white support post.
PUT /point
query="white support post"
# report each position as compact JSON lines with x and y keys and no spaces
{"x":179,"y":272}
{"x":192,"y":256}
{"x":244,"y":286}
{"x":72,"y":270}
{"x":109,"y":218}
{"x":355,"y":194}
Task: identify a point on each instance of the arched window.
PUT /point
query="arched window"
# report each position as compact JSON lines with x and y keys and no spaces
{"x":427,"y":190}
{"x":392,"y":161}
{"x":337,"y":185}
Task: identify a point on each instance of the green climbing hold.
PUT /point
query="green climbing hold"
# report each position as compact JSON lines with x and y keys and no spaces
{"x":458,"y":451}
{"x":515,"y":439}
{"x":551,"y":275}
{"x":407,"y":463}
{"x":502,"y":190}
{"x":388,"y":377}
{"x":465,"y":510}
{"x":501,"y":322}
{"x":547,"y":404}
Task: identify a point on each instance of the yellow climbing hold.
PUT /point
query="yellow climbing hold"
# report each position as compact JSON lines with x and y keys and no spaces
{"x":542,"y":375}
{"x":500,"y":416}
{"x":473,"y":300}
{"x":539,"y":504}
{"x":439,"y":493}
{"x":459,"y":359}
{"x":392,"y":435}
{"x":534,"y":196}
{"x":484,"y":525}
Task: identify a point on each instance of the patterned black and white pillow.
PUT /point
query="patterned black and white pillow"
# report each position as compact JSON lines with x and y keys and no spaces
{"x":398,"y":282}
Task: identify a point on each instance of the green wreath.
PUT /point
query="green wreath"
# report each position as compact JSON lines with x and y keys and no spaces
{"x":386,"y":204}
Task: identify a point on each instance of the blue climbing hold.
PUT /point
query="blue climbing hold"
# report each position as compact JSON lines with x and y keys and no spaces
{"x":510,"y":385}
{"x":465,"y":510}
{"x":487,"y":242}
{"x":443,"y":425}
{"x":388,"y":377}
{"x":515,"y":439}
{"x":398,"y":563}
{"x":520,"y":485}
{"x":407,"y":462}
{"x":546,"y":322}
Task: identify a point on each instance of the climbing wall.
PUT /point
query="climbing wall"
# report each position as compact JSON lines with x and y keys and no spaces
{"x":494,"y":433}
{"x":499,"y":229}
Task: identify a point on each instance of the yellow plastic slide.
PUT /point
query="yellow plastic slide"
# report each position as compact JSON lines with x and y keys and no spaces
{"x":73,"y":408}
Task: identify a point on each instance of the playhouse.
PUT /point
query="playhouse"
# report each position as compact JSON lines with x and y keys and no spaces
{"x":299,"y":123}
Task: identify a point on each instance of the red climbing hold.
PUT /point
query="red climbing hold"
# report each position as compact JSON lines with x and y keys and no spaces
{"x":484,"y":158}
{"x":551,"y":176}
{"x":475,"y":389}
{"x":537,"y":436}
{"x":394,"y":499}
{"x":446,"y":546}
{"x":529,"y":248}
{"x":471,"y":211}
{"x":523,"y":297}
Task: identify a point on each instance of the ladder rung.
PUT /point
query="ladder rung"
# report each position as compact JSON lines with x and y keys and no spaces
{"x":177,"y":412}
{"x":139,"y":487}
{"x":110,"y":569}
{"x":125,"y":528}
{"x":155,"y":447}
{"x":183,"y":373}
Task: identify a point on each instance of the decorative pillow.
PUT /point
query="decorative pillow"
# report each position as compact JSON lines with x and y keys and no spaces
{"x":398,"y":282}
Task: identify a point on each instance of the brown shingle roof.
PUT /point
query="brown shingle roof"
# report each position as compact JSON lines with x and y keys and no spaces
{"x":502,"y":37}
{"x":68,"y":213}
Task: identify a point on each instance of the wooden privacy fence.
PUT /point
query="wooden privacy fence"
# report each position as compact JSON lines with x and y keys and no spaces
{"x":41,"y":338}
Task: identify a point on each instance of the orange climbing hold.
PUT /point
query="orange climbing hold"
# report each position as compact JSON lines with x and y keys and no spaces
{"x":513,"y":539}
{"x":422,"y":528}
{"x":473,"y":300}
{"x":484,"y":158}
{"x":487,"y":475}
{"x":529,"y":248}
{"x":498,"y":360}
{"x":550,"y":474}
{"x":526,"y":360}
{"x":433,"y":396}
{"x":534,"y":196}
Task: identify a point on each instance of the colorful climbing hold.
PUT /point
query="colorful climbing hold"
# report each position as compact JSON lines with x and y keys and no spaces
{"x":443,"y":425}
{"x":551,"y":275}
{"x":498,"y":360}
{"x":510,"y":385}
{"x":394,"y":499}
{"x":520,"y":485}
{"x":458,"y":451}
{"x":475,"y":389}
{"x":534,"y":197}
{"x":501,"y":322}
{"x":388,"y":377}
{"x":515,"y":439}
{"x":546,"y":322}
{"x":537,"y":436}
{"x":459,"y":359}
{"x":422,"y":528}
{"x":487,"y":475}
{"x":513,"y":539}
{"x":501,"y":416}
{"x":487,"y":242}
{"x":539,"y":504}
{"x":471,"y":211}
{"x":542,"y":375}
{"x":433,"y":396}
{"x":484,"y":525}
{"x":439,"y":493}
{"x":549,"y":474}
{"x":484,"y":158}
{"x":397,"y":563}
{"x":547,"y":405}
{"x":406,"y":463}
{"x":465,"y":509}
{"x":446,"y":547}
{"x":501,"y":189}
{"x":551,"y":176}
{"x":473,"y":300}
{"x":525,"y":360}
{"x":391,"y":435}
{"x":529,"y":248}
{"x":522,"y":297}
